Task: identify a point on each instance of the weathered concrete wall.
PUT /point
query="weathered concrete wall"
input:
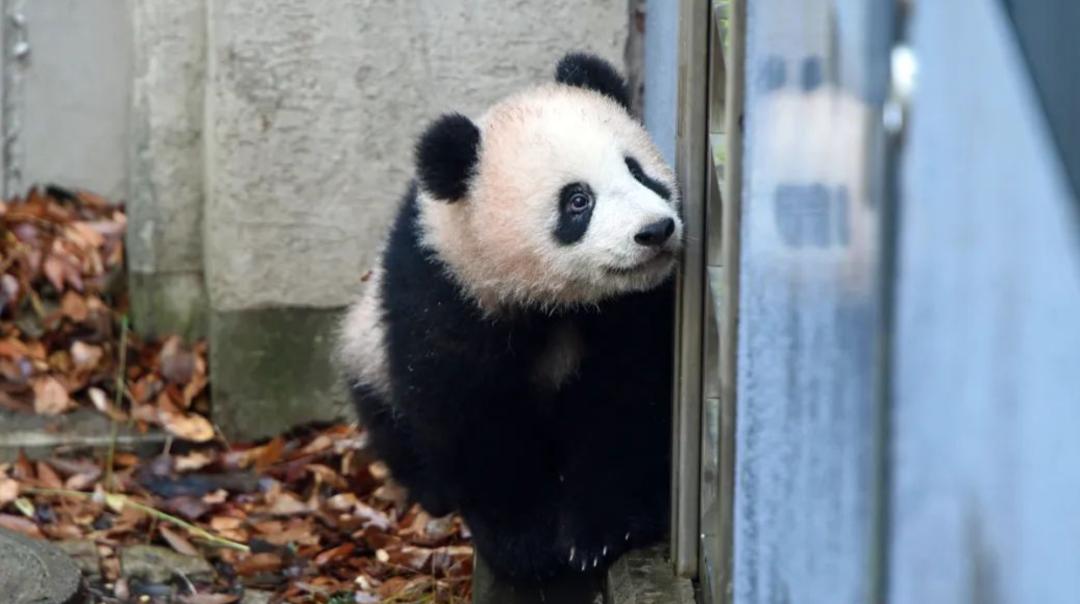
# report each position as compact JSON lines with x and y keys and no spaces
{"x":314,"y":108}
{"x":166,"y":193}
{"x":262,"y":147}
{"x":70,"y":109}
{"x":312,"y":114}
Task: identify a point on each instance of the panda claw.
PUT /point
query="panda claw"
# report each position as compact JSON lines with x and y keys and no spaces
{"x":627,"y":537}
{"x":572,"y":552}
{"x":595,"y":561}
{"x":604,"y":553}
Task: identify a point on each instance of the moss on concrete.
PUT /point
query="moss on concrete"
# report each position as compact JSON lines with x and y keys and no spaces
{"x":168,"y":303}
{"x":272,"y":370}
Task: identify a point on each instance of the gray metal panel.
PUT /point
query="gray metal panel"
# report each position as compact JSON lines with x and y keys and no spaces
{"x":660,"y":109}
{"x":806,"y":405}
{"x":74,"y":105}
{"x":691,"y":167}
{"x":987,"y":384}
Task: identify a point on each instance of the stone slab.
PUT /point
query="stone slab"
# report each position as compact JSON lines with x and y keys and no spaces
{"x":68,"y":102}
{"x":35,"y":572}
{"x":571,"y":589}
{"x":272,"y":370}
{"x":39,"y":436}
{"x":645,"y":576}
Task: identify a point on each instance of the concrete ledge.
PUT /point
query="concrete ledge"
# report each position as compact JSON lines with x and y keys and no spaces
{"x":38,"y":436}
{"x":645,"y":576}
{"x":641,"y":576}
{"x":572,"y":589}
{"x":272,"y":370}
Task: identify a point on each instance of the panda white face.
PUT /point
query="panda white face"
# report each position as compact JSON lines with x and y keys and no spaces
{"x":568,"y":202}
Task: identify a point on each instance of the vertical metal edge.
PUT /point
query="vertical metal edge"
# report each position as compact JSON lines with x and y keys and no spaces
{"x":895,"y":12}
{"x":691,"y":165}
{"x":732,"y":212}
{"x":4,"y":39}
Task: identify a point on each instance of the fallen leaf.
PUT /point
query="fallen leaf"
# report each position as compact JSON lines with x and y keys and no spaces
{"x":20,"y":525}
{"x":189,"y":426}
{"x":196,"y":460}
{"x":9,"y":491}
{"x":208,"y":599}
{"x":50,"y":397}
{"x":177,"y":365}
{"x":48,"y":477}
{"x":177,"y":541}
{"x":287,"y":505}
{"x":334,"y":553}
{"x":259,"y":563}
{"x":73,"y":306}
{"x":85,"y":356}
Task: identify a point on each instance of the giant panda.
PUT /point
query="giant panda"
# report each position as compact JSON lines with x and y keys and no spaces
{"x":511,"y":357}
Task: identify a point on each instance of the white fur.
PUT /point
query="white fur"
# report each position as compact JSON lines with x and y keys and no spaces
{"x":362,"y":339}
{"x":560,"y":358}
{"x":498,"y":242}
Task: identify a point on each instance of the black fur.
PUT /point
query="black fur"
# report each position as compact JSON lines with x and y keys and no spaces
{"x":591,"y":72}
{"x":654,"y":185}
{"x":536,"y":472}
{"x":446,"y":156}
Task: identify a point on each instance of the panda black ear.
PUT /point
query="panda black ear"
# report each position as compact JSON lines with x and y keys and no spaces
{"x":446,"y":156}
{"x":590,"y":71}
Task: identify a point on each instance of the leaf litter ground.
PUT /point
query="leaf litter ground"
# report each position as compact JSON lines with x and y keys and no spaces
{"x":308,"y":516}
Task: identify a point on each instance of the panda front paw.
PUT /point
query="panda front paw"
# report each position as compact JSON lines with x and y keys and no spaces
{"x":585,"y":556}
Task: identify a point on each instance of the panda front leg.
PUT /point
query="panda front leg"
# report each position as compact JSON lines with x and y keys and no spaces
{"x":511,"y":501}
{"x":615,"y":488}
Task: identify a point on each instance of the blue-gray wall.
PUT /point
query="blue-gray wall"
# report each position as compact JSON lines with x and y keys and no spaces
{"x":986,"y":479}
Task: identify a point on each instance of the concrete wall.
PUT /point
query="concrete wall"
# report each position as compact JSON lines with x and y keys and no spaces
{"x":313,"y":110}
{"x":67,"y":89}
{"x":165,"y":245}
{"x":262,"y":147}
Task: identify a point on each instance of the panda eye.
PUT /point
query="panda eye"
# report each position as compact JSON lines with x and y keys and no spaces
{"x":579,"y":202}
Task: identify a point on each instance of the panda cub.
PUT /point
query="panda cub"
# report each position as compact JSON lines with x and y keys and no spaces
{"x":512,"y":355}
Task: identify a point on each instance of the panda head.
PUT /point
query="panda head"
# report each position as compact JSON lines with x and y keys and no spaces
{"x":555,"y":197}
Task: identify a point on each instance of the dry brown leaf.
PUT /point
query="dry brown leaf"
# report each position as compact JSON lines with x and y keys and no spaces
{"x":20,"y":525}
{"x":225,"y":523}
{"x":9,"y":490}
{"x":85,"y":356}
{"x":196,"y":460}
{"x":177,"y":541}
{"x":259,"y":563}
{"x":189,"y":426}
{"x":334,"y":553}
{"x":50,"y":397}
{"x":177,"y":365}
{"x":286,"y":505}
{"x":48,"y":477}
{"x":73,"y":306}
{"x":209,"y":599}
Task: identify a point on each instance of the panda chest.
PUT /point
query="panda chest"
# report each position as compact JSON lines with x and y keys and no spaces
{"x":560,"y":356}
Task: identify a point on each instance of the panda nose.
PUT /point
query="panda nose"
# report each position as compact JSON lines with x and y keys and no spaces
{"x":656,"y":233}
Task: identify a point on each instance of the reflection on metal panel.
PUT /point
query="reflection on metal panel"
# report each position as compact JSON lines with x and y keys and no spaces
{"x":804,"y":505}
{"x":986,"y":485}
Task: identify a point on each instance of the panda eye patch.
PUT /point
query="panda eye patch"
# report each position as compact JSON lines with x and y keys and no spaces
{"x":652,"y":184}
{"x":576,"y":202}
